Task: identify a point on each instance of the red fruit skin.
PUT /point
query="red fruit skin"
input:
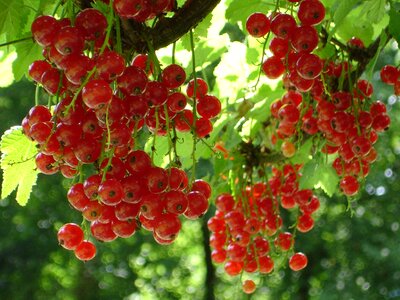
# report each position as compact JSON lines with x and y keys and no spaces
{"x":311,"y":12}
{"x":389,"y":74}
{"x":305,"y":39}
{"x":70,"y":235}
{"x":167,"y":226}
{"x":257,"y":24}
{"x":102,"y":231}
{"x":44,"y":30}
{"x":198,"y":205}
{"x":85,"y":251}
{"x":298,"y":261}
{"x":273,"y":67}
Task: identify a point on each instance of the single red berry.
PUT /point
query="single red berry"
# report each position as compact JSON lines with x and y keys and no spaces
{"x":201,"y":88}
{"x":127,"y":8}
{"x":304,"y":38}
{"x":69,"y":40}
{"x":173,"y":76}
{"x":298,"y":261}
{"x":389,"y":74}
{"x":305,"y":223}
{"x":257,"y":24}
{"x":44,"y":30}
{"x":273,"y":67}
{"x":209,"y":107}
{"x":356,"y":43}
{"x":96,"y":92}
{"x":111,"y":192}
{"x":70,"y":235}
{"x":248,"y":286}
{"x":233,"y":268}
{"x":203,"y":127}
{"x":110,"y":65}
{"x":167,"y":226}
{"x":197,"y":205}
{"x":349,"y":185}
{"x":283,"y":25}
{"x":225,"y":202}
{"x":102,"y":231}
{"x":311,"y":12}
{"x":92,"y":23}
{"x":309,"y":66}
{"x":123,"y":229}
{"x":284,"y":241}
{"x":157,"y":180}
{"x":85,"y":251}
{"x":76,"y":197}
{"x":266,"y":264}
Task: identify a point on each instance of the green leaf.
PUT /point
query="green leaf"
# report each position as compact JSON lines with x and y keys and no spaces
{"x":239,"y":10}
{"x":318,"y":174}
{"x":18,"y":164}
{"x":303,"y":154}
{"x":12,"y":14}
{"x":340,"y":10}
{"x":374,"y":10}
{"x":27,"y":53}
{"x":201,"y":30}
{"x":343,"y":9}
{"x":371,"y":65}
{"x":394,"y":22}
{"x":352,"y":25}
{"x":161,"y":149}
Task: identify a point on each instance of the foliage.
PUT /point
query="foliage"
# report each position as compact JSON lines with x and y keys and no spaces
{"x":343,"y":250}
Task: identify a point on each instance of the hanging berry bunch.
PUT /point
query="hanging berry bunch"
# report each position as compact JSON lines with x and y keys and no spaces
{"x":252,"y":228}
{"x":324,"y":102}
{"x":103,"y":103}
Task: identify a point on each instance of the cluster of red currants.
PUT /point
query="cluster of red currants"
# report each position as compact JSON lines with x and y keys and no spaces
{"x":248,"y":228}
{"x":102,"y":105}
{"x":320,"y":99}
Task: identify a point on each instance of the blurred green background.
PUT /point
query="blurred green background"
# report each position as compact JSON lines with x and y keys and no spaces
{"x":350,"y":256}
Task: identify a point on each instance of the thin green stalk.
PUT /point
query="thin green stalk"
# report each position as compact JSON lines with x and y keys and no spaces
{"x":193,"y":175}
{"x":56,"y":7}
{"x":37,"y":95}
{"x":153,"y":147}
{"x":170,"y":143}
{"x":118,"y":32}
{"x":16,"y":41}
{"x":173,"y":52}
{"x":110,"y":19}
{"x":72,"y":104}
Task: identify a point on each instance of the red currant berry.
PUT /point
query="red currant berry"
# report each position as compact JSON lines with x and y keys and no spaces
{"x":298,"y":261}
{"x":257,"y":25}
{"x":70,"y":235}
{"x":85,"y":251}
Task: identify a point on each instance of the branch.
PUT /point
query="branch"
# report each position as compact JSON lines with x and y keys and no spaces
{"x":167,"y":30}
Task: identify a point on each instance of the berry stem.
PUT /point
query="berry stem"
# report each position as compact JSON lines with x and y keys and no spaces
{"x":37,"y":96}
{"x":193,"y":175}
{"x":170,"y":144}
{"x":118,"y":33}
{"x":16,"y":41}
{"x":153,"y":147}
{"x":72,"y":104}
{"x":110,"y":19}
{"x":56,"y":7}
{"x":173,"y":53}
